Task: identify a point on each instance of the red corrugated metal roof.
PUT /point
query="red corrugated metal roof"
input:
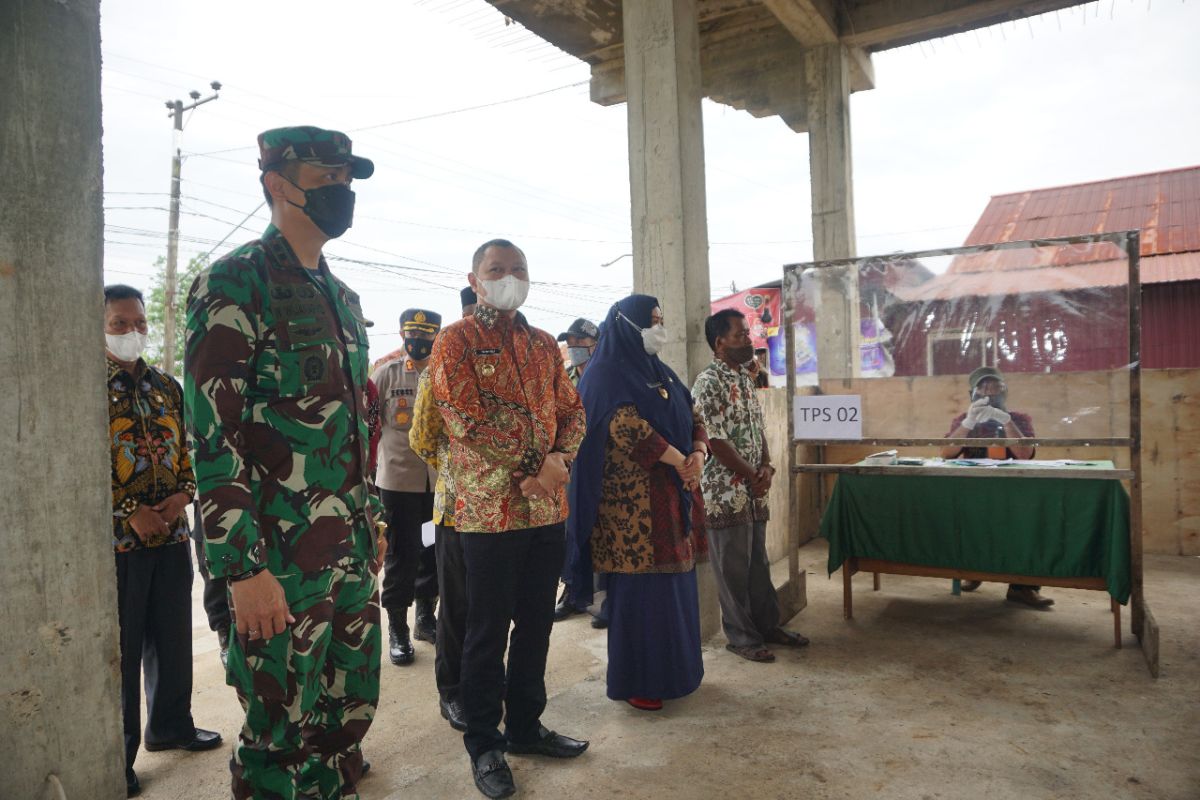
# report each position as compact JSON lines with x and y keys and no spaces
{"x":1165,"y":206}
{"x":1037,"y":278}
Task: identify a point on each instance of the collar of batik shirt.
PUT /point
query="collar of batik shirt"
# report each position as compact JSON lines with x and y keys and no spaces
{"x":492,"y":318}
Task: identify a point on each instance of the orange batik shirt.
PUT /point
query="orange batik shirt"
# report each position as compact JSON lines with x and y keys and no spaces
{"x":506,"y":400}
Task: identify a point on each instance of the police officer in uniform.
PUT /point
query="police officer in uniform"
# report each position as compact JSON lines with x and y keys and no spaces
{"x":275,"y":389}
{"x":406,"y":486}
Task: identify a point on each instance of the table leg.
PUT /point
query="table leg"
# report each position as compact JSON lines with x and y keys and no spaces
{"x":847,"y":596}
{"x":875,"y":581}
{"x":956,"y":587}
{"x":1116,"y":610}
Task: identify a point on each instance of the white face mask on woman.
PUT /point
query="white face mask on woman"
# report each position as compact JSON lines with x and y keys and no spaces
{"x":506,"y":294}
{"x":126,"y":346}
{"x":653,"y":338}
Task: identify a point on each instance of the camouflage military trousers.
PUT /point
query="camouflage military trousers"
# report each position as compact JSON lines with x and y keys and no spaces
{"x":309,"y":693}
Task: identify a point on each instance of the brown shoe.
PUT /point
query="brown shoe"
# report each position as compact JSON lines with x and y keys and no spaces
{"x":970,"y":586}
{"x":1029,"y":597}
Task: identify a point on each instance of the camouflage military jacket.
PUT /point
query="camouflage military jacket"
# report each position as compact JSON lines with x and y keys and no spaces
{"x":275,"y":391}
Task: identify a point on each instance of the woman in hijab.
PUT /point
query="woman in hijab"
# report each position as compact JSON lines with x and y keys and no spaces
{"x":637,"y":516}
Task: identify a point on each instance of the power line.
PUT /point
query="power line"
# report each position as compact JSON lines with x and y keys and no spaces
{"x":423,"y":117}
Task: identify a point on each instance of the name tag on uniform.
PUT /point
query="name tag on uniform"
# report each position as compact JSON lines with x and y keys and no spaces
{"x":488,"y":351}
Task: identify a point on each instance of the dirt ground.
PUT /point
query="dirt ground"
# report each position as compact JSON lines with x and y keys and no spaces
{"x":923,"y":695}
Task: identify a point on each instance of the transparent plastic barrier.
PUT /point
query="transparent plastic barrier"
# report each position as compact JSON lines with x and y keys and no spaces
{"x":1043,"y":331}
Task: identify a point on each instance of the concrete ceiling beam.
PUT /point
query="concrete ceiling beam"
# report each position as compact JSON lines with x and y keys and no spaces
{"x":885,"y":24}
{"x":812,"y":22}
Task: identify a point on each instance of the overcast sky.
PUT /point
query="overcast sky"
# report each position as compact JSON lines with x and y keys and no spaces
{"x":1103,"y":91}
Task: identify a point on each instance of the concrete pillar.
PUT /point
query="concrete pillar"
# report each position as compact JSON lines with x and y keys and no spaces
{"x":666,"y":172}
{"x":666,"y":184}
{"x":59,"y":689}
{"x":827,"y":79}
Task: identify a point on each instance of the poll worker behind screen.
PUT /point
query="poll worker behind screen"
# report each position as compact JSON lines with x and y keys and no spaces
{"x":988,"y":417}
{"x":514,"y":422}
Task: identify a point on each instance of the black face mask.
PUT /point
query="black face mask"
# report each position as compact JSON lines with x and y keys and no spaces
{"x":740,"y":354}
{"x":418,"y":349}
{"x":331,"y":208}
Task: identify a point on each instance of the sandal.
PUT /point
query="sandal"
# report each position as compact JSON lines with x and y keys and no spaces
{"x":645,"y":703}
{"x":751,"y":653}
{"x":786,"y":638}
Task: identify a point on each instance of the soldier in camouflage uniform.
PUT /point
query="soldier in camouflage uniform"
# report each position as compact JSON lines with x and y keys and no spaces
{"x":275,"y":387}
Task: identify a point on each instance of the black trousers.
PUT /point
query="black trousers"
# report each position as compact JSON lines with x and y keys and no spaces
{"x":216,"y":590}
{"x":452,"y":612}
{"x":511,"y":578}
{"x":154,"y":597}
{"x":409,"y":567}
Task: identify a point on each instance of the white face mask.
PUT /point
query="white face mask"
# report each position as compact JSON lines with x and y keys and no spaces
{"x":506,"y":294}
{"x":653,"y":339}
{"x":127,"y":346}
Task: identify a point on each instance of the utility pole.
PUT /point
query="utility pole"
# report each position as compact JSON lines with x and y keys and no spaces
{"x":169,"y":290}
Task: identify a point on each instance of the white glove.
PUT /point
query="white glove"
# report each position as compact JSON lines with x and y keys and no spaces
{"x":996,"y":415}
{"x":976,"y":413}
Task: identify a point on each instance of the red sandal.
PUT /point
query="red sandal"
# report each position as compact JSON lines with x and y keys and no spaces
{"x":645,"y":704}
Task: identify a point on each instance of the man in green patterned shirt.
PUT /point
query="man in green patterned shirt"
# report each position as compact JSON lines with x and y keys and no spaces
{"x":735,"y":485}
{"x":276,"y":375}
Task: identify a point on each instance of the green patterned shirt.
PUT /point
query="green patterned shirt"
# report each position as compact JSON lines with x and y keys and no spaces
{"x":728,"y":405}
{"x":275,"y":390}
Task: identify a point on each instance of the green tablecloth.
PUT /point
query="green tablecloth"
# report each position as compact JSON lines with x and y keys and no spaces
{"x":1050,"y":527}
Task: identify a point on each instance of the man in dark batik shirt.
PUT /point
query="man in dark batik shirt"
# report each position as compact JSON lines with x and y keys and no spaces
{"x":152,"y":485}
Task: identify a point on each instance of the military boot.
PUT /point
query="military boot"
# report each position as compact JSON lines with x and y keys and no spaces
{"x":426,"y":622}
{"x":400,"y":646}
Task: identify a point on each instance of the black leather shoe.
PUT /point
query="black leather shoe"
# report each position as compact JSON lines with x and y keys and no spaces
{"x":201,"y":740}
{"x":599,"y":623}
{"x":492,"y":776}
{"x":133,"y":787}
{"x":564,"y":608}
{"x":400,"y":646}
{"x":426,"y":627}
{"x":452,"y":712}
{"x":223,"y":643}
{"x":549,"y":743}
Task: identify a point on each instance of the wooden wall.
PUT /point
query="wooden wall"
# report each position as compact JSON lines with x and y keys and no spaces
{"x":1062,"y":405}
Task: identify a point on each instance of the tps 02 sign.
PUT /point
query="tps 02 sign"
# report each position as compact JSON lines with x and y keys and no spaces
{"x":831,"y":416}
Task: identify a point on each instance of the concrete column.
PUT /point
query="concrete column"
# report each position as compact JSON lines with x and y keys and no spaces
{"x":666,"y":184}
{"x":666,"y":172}
{"x":59,"y":687}
{"x":827,"y":79}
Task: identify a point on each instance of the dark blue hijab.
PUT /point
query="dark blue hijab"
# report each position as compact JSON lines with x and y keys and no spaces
{"x":621,"y":373}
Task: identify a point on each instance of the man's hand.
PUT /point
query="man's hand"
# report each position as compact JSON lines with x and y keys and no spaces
{"x":532,"y":488}
{"x":260,"y":606}
{"x":976,"y":413}
{"x":148,"y":523}
{"x":380,"y":547}
{"x":172,"y":508}
{"x":554,"y":474}
{"x":761,"y":483}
